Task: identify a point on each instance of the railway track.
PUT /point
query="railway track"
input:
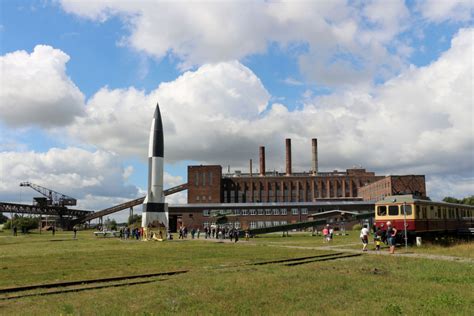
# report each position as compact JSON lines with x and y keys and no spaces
{"x":138,"y":279}
{"x":79,"y":285}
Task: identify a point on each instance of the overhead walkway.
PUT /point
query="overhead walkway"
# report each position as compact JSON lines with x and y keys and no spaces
{"x":127,"y":205}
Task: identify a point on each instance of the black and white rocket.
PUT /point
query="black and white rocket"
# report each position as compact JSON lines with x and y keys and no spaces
{"x":155,"y":210}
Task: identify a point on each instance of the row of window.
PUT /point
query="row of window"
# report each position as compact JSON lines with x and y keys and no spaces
{"x":424,"y":212}
{"x":260,"y":211}
{"x":252,"y":225}
{"x":201,"y":177}
{"x":203,"y":198}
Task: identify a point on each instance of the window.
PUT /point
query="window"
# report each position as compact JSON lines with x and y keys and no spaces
{"x":268,"y":211}
{"x":253,"y":212}
{"x":393,"y":210}
{"x":210,"y":178}
{"x":268,"y":224}
{"x":209,"y":198}
{"x":203,"y":179}
{"x":417,"y":212}
{"x":283,"y":211}
{"x":205,"y":213}
{"x":381,"y":210}
{"x":237,"y":225}
{"x":276,"y":211}
{"x":260,"y":211}
{"x":283,"y":222}
{"x":196,"y":179}
{"x":253,"y":225}
{"x":407,"y":210}
{"x":245,"y":212}
{"x":260,"y":224}
{"x":236,"y":212}
{"x":203,"y":197}
{"x":197,"y":198}
{"x":294,"y":211}
{"x":276,"y":223}
{"x":304,"y":211}
{"x":423,"y":210}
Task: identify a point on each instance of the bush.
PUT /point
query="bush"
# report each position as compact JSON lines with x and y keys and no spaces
{"x":357,"y":227}
{"x":23,"y":224}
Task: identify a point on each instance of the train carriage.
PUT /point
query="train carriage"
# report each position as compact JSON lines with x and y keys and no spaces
{"x":423,"y":217}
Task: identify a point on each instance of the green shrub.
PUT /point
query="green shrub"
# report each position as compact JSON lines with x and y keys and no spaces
{"x":357,"y":227}
{"x":23,"y":224}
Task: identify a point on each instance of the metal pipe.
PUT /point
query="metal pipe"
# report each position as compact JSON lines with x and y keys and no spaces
{"x":251,"y":173}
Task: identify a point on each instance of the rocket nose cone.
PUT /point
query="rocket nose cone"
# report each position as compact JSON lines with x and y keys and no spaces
{"x":156,"y":140}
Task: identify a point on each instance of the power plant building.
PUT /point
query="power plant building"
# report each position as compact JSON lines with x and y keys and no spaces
{"x":274,"y":198}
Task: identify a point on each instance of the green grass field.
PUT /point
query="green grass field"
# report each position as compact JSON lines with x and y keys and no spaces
{"x":221,"y":282}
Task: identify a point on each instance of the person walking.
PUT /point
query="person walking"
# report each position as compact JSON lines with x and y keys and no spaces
{"x":364,"y":236}
{"x":391,"y":237}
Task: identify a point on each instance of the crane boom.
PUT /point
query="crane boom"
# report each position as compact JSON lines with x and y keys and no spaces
{"x":53,"y":198}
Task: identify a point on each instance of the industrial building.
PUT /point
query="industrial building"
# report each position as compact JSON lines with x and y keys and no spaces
{"x":272,"y":198}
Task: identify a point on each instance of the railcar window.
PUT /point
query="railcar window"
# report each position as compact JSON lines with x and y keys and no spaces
{"x":393,"y":210}
{"x":408,"y":209}
{"x":417,"y":212}
{"x":381,"y":210}
{"x":424,"y":212}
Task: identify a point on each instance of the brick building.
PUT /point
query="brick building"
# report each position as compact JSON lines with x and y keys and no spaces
{"x":394,"y":185}
{"x":272,"y":198}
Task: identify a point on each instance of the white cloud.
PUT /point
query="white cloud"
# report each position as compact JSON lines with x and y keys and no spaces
{"x":418,"y":122}
{"x":347,"y":43}
{"x":35,"y":89}
{"x":88,"y":176}
{"x":446,"y":10}
{"x":202,"y":110}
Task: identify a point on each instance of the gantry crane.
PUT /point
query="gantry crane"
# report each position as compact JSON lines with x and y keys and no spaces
{"x":52,"y":198}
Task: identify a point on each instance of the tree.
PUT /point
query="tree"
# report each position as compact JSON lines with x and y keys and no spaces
{"x":3,"y":218}
{"x":468,"y":200}
{"x":134,"y":219}
{"x":111,"y":224}
{"x":23,"y":224}
{"x":450,"y":199}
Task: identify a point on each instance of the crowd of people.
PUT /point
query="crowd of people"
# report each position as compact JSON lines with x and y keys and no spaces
{"x":380,"y":236}
{"x":219,"y":233}
{"x":131,"y":233}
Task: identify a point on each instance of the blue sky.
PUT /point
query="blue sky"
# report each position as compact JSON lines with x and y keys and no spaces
{"x":232,"y":76}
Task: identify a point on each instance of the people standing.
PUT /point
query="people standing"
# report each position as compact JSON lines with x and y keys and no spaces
{"x":236,"y":235}
{"x":53,"y":230}
{"x":198,"y":233}
{"x":364,"y":236}
{"x":15,"y":230}
{"x":74,"y":229}
{"x":326,"y":233}
{"x":391,"y":237}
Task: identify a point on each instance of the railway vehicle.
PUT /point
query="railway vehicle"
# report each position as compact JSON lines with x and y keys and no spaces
{"x":424,"y":217}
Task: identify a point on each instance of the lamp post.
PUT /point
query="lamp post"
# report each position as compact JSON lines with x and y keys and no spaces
{"x":405,"y":224}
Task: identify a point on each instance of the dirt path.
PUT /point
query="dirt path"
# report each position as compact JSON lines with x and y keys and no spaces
{"x":339,"y":248}
{"x":383,"y":253}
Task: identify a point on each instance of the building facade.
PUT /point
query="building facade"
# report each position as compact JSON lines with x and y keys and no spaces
{"x":394,"y":185}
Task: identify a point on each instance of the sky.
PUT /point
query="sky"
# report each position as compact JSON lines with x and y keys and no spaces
{"x":386,"y":85}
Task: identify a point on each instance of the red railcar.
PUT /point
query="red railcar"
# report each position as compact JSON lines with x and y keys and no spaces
{"x":423,"y":217}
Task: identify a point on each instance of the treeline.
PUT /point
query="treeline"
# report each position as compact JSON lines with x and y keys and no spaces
{"x":467,"y":200}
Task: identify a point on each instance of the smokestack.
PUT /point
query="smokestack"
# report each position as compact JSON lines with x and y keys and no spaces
{"x":251,"y":173}
{"x":288,"y":156}
{"x":262,"y":160}
{"x":314,"y":143}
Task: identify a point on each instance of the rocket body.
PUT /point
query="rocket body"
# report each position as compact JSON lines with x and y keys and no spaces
{"x":155,"y":210}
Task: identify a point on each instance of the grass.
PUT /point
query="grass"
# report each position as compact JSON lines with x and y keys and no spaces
{"x":217,"y":284}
